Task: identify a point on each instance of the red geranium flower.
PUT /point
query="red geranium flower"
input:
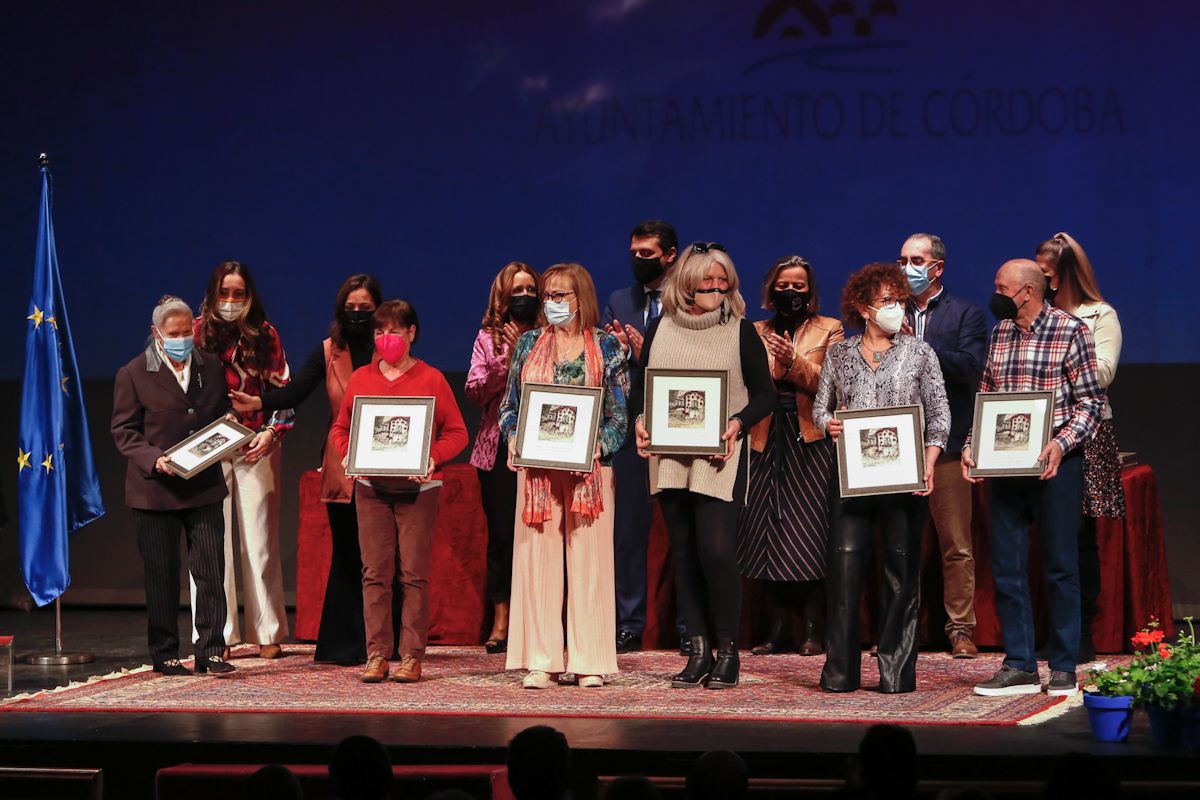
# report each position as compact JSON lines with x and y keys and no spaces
{"x":1164,"y":651}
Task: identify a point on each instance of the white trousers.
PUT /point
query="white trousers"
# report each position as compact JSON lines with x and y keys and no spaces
{"x":254,"y":502}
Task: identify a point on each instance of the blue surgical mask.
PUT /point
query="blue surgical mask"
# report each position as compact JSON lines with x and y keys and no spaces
{"x":558,"y":313}
{"x":178,"y":349}
{"x":918,"y":277}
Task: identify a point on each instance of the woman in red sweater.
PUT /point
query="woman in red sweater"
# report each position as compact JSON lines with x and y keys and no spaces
{"x":396,"y":515}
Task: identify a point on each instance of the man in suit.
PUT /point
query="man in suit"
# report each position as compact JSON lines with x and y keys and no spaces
{"x":653,"y":248}
{"x":160,"y":398}
{"x":957,"y":332}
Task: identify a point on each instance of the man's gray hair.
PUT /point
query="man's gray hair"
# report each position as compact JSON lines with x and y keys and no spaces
{"x":169,"y":305}
{"x":937,"y":248}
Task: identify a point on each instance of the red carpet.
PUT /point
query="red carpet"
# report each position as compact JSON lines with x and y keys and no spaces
{"x":466,"y":681}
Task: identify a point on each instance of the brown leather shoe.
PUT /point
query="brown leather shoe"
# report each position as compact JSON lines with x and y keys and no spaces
{"x":376,"y":671}
{"x":409,"y":670}
{"x":961,"y":645}
{"x":270,"y":651}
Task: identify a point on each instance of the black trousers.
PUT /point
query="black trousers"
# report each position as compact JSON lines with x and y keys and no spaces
{"x":341,"y":639}
{"x":498,"y":487}
{"x":158,"y":542}
{"x":708,"y":585}
{"x":899,"y":517}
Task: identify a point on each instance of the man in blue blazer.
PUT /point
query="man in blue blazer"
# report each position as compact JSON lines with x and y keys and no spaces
{"x":653,"y":248}
{"x":957,"y":332}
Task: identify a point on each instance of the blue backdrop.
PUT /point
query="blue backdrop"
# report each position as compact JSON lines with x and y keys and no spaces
{"x":431,"y":145}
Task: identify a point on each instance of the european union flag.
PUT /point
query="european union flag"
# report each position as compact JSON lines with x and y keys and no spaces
{"x":58,"y":490}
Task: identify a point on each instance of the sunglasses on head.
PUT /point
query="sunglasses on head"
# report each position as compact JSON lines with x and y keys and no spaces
{"x":704,"y":247}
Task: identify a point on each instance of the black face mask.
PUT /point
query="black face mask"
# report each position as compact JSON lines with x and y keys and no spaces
{"x":790,"y":303}
{"x":1003,"y":306}
{"x":647,"y":270}
{"x":1050,"y":290}
{"x":357,"y":324}
{"x":523,"y":308}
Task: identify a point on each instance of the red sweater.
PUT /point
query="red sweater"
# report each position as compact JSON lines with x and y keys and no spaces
{"x":422,"y":380}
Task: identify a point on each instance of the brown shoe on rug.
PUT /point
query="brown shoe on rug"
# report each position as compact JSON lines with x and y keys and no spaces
{"x":270,"y":651}
{"x":961,"y":645}
{"x":409,"y":670}
{"x":376,"y":671}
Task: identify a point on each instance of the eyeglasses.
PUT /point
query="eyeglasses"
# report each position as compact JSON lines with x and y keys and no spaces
{"x":556,"y":297}
{"x":704,"y":247}
{"x":916,"y":261}
{"x":886,"y":300}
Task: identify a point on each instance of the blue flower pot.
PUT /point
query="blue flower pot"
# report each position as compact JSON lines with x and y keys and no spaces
{"x":1110,"y":717}
{"x":1166,"y":727}
{"x":1191,"y":728}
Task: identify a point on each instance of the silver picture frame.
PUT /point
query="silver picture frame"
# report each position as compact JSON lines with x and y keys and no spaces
{"x":390,"y":436}
{"x":881,"y":451}
{"x":212,"y":443}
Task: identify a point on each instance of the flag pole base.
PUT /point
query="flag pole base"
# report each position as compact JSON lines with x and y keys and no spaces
{"x":58,"y":659}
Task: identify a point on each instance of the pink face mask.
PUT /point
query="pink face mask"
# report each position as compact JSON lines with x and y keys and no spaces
{"x":392,"y":347}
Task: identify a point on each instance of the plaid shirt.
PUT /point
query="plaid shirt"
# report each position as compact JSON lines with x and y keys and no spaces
{"x":1056,"y":355}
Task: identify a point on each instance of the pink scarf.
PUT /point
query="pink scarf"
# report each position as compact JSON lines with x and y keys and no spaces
{"x":539,"y":368}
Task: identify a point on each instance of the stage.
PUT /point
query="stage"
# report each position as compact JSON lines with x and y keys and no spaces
{"x":789,"y":755}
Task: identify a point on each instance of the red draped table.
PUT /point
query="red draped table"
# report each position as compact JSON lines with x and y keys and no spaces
{"x":1133,"y":562}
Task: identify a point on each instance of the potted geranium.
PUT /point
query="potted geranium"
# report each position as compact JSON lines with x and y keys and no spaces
{"x":1166,"y":674}
{"x":1108,"y":698}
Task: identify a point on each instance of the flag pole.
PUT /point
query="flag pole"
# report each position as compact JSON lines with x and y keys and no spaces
{"x":59,"y":658}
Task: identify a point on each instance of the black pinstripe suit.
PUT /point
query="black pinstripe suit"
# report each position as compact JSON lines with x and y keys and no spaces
{"x":152,"y":412}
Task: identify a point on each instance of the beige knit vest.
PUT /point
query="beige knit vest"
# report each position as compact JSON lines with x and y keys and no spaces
{"x":687,"y":341}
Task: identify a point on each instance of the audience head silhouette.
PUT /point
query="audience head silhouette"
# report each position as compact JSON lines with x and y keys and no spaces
{"x":632,"y":787}
{"x":718,"y":775}
{"x":1079,"y":775}
{"x":539,"y":764}
{"x":887,"y":762}
{"x":360,"y":769}
{"x":273,"y":782}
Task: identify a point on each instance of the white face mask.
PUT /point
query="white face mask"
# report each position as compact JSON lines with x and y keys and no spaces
{"x":889,"y":318}
{"x":229,"y":310}
{"x":558,"y":313}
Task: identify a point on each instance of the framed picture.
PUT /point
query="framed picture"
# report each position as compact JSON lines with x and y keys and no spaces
{"x":881,"y":450}
{"x":207,"y":446}
{"x":1009,"y":433}
{"x":558,"y":426}
{"x":390,"y":436}
{"x":687,"y":411}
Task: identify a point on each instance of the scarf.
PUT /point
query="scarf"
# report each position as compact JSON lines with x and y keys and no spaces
{"x":585,"y":498}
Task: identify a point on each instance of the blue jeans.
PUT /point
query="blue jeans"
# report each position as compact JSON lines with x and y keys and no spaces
{"x":1055,"y":506}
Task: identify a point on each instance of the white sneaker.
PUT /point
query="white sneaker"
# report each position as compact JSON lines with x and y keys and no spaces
{"x":536,"y":679}
{"x":591,"y":681}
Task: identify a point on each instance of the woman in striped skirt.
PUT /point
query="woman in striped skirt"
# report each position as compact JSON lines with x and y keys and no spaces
{"x":784,"y":526}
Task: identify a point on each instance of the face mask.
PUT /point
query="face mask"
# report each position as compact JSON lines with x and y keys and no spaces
{"x":1003,"y":306}
{"x":647,"y":270}
{"x":558,"y":313}
{"x":789,"y":302}
{"x":356,"y":324}
{"x":1050,"y":290}
{"x":717,"y":298}
{"x":230,"y":310}
{"x":392,"y":347}
{"x":889,"y":318}
{"x":177,"y":349}
{"x":918,"y":277}
{"x":523,"y":308}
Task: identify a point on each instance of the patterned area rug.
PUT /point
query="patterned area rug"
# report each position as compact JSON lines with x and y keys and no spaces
{"x":466,"y":681}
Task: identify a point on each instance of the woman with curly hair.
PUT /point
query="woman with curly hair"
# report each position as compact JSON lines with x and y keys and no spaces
{"x":233,"y":325}
{"x":878,"y":368}
{"x":513,"y":308}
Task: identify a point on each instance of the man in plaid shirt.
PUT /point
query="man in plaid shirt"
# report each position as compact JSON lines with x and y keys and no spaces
{"x":1037,"y":347}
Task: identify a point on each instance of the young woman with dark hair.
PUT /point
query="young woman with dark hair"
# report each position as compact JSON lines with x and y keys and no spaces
{"x":233,"y":325}
{"x":349,"y":346}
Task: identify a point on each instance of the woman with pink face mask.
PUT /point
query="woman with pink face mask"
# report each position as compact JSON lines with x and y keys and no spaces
{"x":396,"y":515}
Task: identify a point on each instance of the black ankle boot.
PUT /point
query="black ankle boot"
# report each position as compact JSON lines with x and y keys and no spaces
{"x":699,"y":665}
{"x":778,"y":637}
{"x":725,"y":673}
{"x":812,"y":639}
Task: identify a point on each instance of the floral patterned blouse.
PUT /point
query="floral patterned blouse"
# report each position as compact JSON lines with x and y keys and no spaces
{"x":615,"y":421}
{"x":909,"y":374}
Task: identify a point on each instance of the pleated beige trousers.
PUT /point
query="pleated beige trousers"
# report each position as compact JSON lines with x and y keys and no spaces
{"x":535,"y":633}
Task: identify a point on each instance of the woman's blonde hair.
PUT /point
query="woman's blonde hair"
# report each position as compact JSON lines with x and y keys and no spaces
{"x":497,"y":312}
{"x":679,"y":293}
{"x":585,"y":291}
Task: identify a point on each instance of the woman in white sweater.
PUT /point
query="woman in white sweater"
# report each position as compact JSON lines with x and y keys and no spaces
{"x":1071,"y":285}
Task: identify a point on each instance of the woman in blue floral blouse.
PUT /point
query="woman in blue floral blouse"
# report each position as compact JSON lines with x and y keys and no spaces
{"x":559,"y":510}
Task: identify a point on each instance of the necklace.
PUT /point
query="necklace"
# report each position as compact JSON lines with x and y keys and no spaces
{"x":876,"y":355}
